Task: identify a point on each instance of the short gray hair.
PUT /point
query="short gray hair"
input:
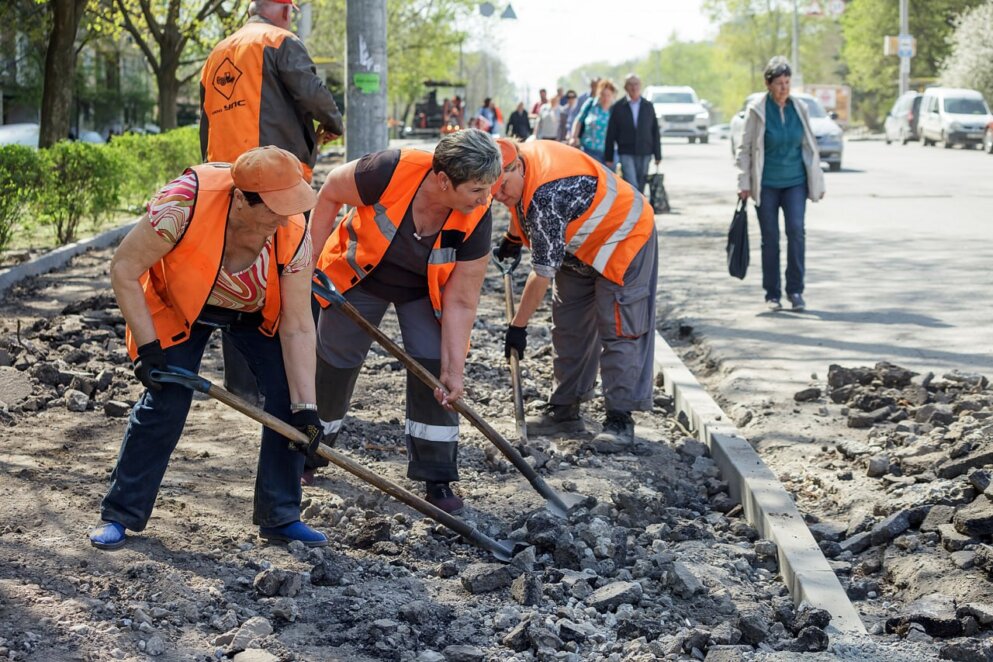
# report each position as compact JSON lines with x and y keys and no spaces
{"x":468,"y":155}
{"x":631,"y":78}
{"x":778,"y":66}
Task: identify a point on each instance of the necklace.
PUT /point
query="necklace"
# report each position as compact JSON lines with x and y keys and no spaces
{"x":417,"y":236}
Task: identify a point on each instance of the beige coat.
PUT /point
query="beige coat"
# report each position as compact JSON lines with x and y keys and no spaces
{"x":751,"y":152}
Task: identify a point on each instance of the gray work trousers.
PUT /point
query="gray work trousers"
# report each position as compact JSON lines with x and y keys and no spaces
{"x":431,"y":432}
{"x":598,"y":325}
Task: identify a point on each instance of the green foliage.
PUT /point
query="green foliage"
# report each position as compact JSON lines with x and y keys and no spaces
{"x":81,"y":181}
{"x":20,"y":173}
{"x":969,"y":64}
{"x":151,"y":161}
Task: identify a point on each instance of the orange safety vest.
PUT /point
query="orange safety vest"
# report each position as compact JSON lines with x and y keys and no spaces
{"x":177,"y":286}
{"x":221,"y":77}
{"x":618,"y":222}
{"x":359,"y":242}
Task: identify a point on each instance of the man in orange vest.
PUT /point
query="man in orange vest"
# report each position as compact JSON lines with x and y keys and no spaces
{"x":258,"y":87}
{"x":595,"y":235}
{"x":221,"y":247}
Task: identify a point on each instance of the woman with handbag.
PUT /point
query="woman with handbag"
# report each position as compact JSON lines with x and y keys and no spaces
{"x":589,"y":131}
{"x":779,"y":167}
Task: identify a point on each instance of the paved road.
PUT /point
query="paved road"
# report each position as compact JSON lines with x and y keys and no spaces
{"x":899,"y":268}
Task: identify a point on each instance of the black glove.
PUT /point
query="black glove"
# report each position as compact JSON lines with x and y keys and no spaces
{"x":150,"y":357}
{"x":308,"y":422}
{"x":509,"y":248}
{"x":516,"y":338}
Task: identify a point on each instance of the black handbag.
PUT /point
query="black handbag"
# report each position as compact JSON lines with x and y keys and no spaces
{"x":737,"y":247}
{"x":657,"y":194}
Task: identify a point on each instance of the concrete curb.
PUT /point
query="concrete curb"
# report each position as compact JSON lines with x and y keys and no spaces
{"x":60,"y":256}
{"x":768,"y":507}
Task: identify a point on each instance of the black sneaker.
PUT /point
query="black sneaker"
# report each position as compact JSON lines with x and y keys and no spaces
{"x":617,"y":434}
{"x":796,"y":300}
{"x":556,"y":419}
{"x":442,"y":496}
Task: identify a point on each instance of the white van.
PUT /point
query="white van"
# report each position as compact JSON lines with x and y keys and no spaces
{"x":679,"y":111}
{"x":953,"y":116}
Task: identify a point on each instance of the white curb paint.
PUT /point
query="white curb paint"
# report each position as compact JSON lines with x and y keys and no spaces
{"x":60,"y":256}
{"x":767,"y":505}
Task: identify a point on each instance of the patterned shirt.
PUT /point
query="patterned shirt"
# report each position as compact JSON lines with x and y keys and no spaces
{"x":554,"y":205}
{"x":169,"y":214}
{"x":594,"y":126}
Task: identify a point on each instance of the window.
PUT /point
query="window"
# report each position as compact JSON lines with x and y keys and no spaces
{"x":965,"y":106}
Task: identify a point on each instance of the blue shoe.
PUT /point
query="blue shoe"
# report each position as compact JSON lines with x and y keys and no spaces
{"x":109,"y":535}
{"x":294,"y":531}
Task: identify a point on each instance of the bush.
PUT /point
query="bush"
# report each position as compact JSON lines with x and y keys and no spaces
{"x":20,"y":175}
{"x":150,"y":161}
{"x":82,"y":180}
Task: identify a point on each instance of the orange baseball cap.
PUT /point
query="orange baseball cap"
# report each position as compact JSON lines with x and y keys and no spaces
{"x":277,"y":176}
{"x":508,"y":154}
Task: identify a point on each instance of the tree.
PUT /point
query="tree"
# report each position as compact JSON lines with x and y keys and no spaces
{"x":174,"y":36}
{"x":968,"y":64}
{"x":60,"y":66}
{"x":21,"y":73}
{"x":873,"y":76}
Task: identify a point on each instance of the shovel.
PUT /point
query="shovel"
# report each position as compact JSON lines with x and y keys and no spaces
{"x":515,"y":360}
{"x":503,"y":550}
{"x":557,"y":503}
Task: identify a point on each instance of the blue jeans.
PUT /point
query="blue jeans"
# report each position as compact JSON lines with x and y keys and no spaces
{"x":156,"y":424}
{"x":595,"y":153}
{"x":634,"y":169}
{"x":793,"y":201}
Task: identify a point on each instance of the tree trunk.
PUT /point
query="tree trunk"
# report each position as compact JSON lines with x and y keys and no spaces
{"x":168,"y":93}
{"x":60,"y":68}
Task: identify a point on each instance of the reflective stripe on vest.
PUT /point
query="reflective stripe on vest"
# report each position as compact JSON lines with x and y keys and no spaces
{"x":357,"y":244}
{"x":618,"y":222}
{"x":177,"y":287}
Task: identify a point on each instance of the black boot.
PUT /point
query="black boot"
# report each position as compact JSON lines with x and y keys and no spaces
{"x":617,"y":434}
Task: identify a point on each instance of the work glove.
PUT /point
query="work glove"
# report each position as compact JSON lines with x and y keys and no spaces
{"x":516,"y":338}
{"x":509,"y":248}
{"x":308,"y":422}
{"x":150,"y":357}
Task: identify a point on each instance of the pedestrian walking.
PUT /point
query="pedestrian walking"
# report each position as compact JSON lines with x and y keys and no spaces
{"x":581,"y":100}
{"x":486,"y":117}
{"x":418,"y":238}
{"x":546,"y":127}
{"x":589,"y":131}
{"x":635,"y":130}
{"x":565,"y":128}
{"x":542,"y":100}
{"x":519,"y":126}
{"x":779,"y":167}
{"x":595,"y":236}
{"x":245,"y":224}
{"x":259,"y":86}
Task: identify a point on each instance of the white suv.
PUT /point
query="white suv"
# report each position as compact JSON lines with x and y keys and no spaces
{"x":679,"y":111}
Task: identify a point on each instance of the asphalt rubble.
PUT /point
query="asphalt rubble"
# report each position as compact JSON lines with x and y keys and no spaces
{"x":659,"y":564}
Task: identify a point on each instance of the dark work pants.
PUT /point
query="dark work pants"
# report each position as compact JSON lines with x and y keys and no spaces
{"x":598,"y":325}
{"x":156,"y":424}
{"x":431,"y":432}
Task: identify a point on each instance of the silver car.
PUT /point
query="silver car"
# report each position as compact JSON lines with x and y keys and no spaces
{"x":829,"y":136}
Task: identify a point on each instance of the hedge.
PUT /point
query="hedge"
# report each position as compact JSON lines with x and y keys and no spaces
{"x":72,"y":181}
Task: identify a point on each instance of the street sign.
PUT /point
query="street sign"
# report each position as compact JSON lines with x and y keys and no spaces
{"x":836,"y":8}
{"x":906,"y":45}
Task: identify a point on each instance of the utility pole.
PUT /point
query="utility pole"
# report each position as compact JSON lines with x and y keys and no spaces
{"x":365,"y":71}
{"x":795,"y":54}
{"x":904,"y":55}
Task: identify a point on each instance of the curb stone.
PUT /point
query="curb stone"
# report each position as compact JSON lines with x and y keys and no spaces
{"x":60,"y":256}
{"x":767,"y":505}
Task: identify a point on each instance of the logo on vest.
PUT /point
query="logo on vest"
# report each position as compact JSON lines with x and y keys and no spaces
{"x":225,"y":78}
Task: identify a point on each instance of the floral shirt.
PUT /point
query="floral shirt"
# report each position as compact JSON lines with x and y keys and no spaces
{"x":169,"y":214}
{"x":554,"y":205}
{"x":594,"y":126}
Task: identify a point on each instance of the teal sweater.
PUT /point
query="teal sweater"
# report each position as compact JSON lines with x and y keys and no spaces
{"x":783,"y":165}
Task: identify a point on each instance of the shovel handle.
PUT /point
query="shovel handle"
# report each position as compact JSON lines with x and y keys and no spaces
{"x":515,"y":361}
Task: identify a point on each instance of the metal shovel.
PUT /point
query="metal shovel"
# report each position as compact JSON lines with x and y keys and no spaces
{"x":558,"y":504}
{"x":503,"y":550}
{"x":515,"y":360}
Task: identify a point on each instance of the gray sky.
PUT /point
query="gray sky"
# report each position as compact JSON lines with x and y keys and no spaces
{"x":552,"y":37}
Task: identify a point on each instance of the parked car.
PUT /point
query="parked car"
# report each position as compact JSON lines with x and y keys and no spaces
{"x":829,"y":136}
{"x":719,"y":131}
{"x":20,"y":134}
{"x":901,"y":123}
{"x":953,"y":116}
{"x":679,"y":111}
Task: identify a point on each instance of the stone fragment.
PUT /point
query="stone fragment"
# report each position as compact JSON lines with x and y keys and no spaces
{"x":811,"y":640}
{"x":460,"y":653}
{"x":893,"y":376}
{"x":963,"y":560}
{"x":727,"y":653}
{"x":271,"y":582}
{"x":811,"y":617}
{"x":526,"y":589}
{"x":116,"y":408}
{"x":984,"y":558}
{"x":879,"y":465}
{"x":486,"y":577}
{"x":372,"y":531}
{"x":980,"y":479}
{"x":256,"y":627}
{"x":326,"y":573}
{"x":543,"y":638}
{"x":725,"y":634}
{"x":524,"y":560}
{"x":286,"y":609}
{"x":934,"y":612}
{"x":981,"y":611}
{"x":571,"y":631}
{"x":839,"y":376}
{"x":255,"y":655}
{"x":155,"y":646}
{"x":754,"y":628}
{"x":430,"y":656}
{"x":890,"y":528}
{"x":935,"y":413}
{"x":867,"y":420}
{"x":975,"y":519}
{"x":957,"y":467}
{"x":684,"y":582}
{"x":967,"y":650}
{"x":76,"y":400}
{"x":952,"y":540}
{"x":517,"y":638}
{"x":830,"y":531}
{"x":610,"y":596}
{"x":225,"y":622}
{"x":938,"y":515}
{"x":15,"y":386}
{"x":857,"y":543}
{"x":807,"y":394}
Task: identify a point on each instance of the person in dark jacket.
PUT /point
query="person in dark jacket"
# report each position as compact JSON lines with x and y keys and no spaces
{"x":635,"y":129}
{"x":519,"y":126}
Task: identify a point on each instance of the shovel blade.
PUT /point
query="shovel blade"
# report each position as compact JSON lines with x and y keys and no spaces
{"x":561,"y":504}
